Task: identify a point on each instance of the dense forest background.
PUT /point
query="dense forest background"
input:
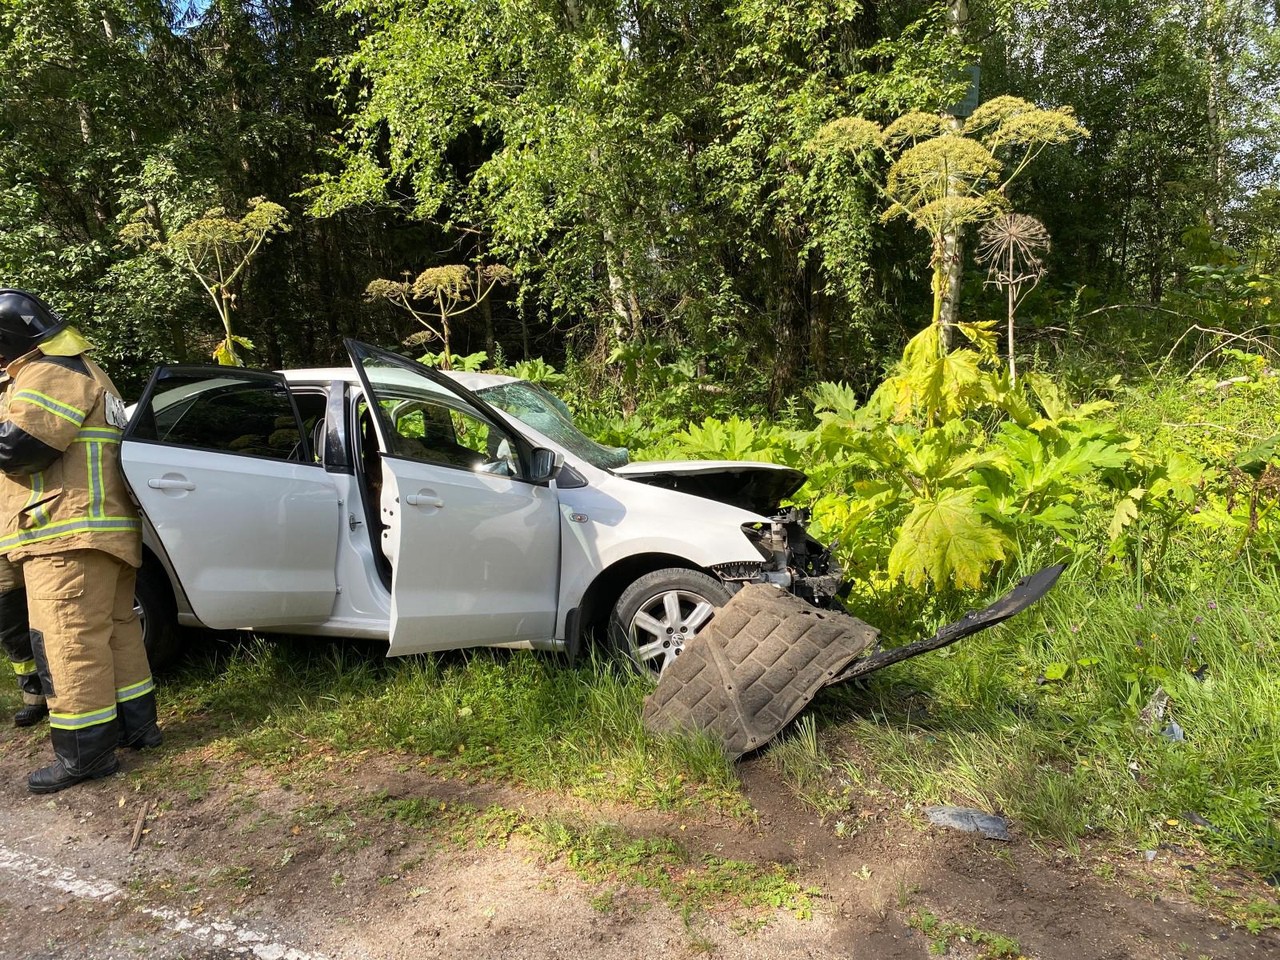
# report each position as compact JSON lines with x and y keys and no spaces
{"x":642,"y":168}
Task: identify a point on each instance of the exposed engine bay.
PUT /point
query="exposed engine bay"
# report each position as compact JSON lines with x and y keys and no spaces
{"x":792,"y":559}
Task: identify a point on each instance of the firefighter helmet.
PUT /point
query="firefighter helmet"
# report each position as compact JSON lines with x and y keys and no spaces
{"x":25,"y":322}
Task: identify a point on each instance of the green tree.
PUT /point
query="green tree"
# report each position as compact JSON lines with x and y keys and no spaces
{"x":637,"y":166}
{"x":83,"y":99}
{"x":1180,"y":103}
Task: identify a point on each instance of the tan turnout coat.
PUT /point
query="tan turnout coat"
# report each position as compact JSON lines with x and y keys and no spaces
{"x":80,"y":501}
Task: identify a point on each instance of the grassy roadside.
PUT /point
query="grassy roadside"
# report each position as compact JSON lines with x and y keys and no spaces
{"x":1142,"y":712}
{"x":1052,"y":719}
{"x":516,"y":717}
{"x":1042,"y":718}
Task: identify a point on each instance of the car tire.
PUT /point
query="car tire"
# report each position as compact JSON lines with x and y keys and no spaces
{"x":153,"y":603}
{"x":659,"y":613}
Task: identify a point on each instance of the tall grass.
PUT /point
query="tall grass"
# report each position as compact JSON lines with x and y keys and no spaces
{"x":1084,"y":753}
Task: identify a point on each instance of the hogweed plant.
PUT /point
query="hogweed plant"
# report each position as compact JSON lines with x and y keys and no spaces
{"x":454,"y":289}
{"x":944,"y":181}
{"x":1010,"y":247}
{"x":216,"y":248}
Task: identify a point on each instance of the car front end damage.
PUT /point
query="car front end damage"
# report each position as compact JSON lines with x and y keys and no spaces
{"x":789,"y":558}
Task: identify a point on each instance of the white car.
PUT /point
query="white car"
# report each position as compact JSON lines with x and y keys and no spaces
{"x":451,"y":510}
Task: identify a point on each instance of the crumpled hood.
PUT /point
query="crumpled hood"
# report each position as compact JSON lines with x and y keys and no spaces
{"x":748,"y":485}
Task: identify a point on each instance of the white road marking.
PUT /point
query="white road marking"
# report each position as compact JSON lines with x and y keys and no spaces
{"x":213,"y":933}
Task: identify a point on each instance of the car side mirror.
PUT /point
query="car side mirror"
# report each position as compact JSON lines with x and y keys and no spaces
{"x":545,"y":465}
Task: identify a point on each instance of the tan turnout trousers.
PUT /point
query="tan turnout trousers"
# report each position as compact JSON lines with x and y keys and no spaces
{"x":84,"y":627}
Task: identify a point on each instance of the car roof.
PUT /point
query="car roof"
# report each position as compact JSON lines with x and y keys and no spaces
{"x":470,"y":381}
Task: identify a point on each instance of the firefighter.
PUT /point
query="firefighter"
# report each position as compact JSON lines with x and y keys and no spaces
{"x":15,"y":638}
{"x":67,"y":519}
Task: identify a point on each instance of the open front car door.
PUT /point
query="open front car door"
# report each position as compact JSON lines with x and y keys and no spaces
{"x":471,"y":526}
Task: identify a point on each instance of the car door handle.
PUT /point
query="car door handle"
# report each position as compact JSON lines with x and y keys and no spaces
{"x":422,"y":500}
{"x":167,"y":483}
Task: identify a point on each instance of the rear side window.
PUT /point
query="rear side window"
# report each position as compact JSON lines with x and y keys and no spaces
{"x":233,"y":413}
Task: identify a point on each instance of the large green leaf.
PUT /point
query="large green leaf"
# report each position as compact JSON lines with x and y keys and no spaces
{"x":946,"y":538}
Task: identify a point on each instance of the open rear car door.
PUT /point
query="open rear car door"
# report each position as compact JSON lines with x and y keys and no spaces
{"x":218,"y":460}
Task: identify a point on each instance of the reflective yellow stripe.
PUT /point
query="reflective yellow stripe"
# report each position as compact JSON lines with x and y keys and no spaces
{"x":67,"y":528}
{"x":24,"y":668}
{"x":41,"y":514}
{"x":37,"y":487}
{"x":93,"y":466}
{"x":135,"y":690}
{"x":78,"y":721}
{"x":52,"y":405}
{"x":99,"y":435}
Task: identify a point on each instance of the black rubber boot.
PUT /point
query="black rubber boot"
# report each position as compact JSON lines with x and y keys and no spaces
{"x":79,"y":755}
{"x":138,"y":727}
{"x":31,"y":714}
{"x":15,"y":639}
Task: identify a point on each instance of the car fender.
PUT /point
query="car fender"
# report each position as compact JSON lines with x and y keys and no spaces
{"x":615,"y":519}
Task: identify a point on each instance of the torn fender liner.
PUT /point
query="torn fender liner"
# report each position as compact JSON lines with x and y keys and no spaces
{"x":754,"y":667}
{"x":1024,"y":593}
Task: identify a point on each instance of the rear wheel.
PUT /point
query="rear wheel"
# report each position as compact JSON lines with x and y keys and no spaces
{"x":660,"y":612}
{"x":153,"y":603}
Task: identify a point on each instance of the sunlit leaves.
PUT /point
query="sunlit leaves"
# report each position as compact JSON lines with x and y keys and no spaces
{"x":946,"y":540}
{"x":934,"y":384}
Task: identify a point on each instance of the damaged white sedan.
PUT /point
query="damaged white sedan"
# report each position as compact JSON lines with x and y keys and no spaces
{"x":437,"y":511}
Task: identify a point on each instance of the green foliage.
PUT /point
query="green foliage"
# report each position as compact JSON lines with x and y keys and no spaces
{"x":215,"y":249}
{"x":948,"y":471}
{"x":943,"y":179}
{"x":537,"y":370}
{"x":944,"y":539}
{"x":636,"y":171}
{"x":449,"y":287}
{"x":1050,"y":718}
{"x":943,"y":934}
{"x":468,"y":364}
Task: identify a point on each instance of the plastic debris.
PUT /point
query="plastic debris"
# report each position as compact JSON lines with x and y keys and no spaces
{"x":765,"y":654}
{"x":1153,"y":712}
{"x":1173,"y":732}
{"x":967,"y":819}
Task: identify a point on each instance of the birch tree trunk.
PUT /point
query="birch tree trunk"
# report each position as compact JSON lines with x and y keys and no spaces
{"x":953,"y":240}
{"x":1215,"y":17}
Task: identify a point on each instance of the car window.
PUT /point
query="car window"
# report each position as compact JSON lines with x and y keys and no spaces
{"x":547,"y":414}
{"x":433,"y":432}
{"x":312,"y":405}
{"x":251,"y":416}
{"x":430,"y":423}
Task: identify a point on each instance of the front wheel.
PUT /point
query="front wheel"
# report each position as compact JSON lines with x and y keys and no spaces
{"x":660,"y":612}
